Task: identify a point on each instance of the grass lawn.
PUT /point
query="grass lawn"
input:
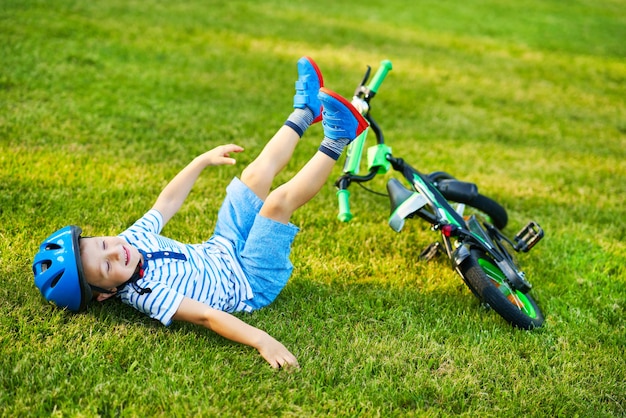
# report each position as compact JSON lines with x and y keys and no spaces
{"x":102,"y":102}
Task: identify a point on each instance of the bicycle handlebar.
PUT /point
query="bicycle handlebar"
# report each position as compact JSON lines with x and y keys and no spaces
{"x":343,"y":195}
{"x":379,"y":77}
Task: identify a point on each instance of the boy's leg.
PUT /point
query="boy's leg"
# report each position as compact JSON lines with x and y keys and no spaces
{"x":258,"y":176}
{"x":342,"y":123}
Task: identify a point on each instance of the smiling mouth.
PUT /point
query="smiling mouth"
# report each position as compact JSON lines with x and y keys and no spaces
{"x":126,"y":255}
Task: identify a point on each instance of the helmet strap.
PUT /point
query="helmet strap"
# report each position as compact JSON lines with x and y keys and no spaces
{"x":133,"y":280}
{"x":136,"y":276}
{"x":101,"y":289}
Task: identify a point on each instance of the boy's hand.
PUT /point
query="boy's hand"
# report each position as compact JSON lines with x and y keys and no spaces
{"x":275,"y":353}
{"x":220,"y":155}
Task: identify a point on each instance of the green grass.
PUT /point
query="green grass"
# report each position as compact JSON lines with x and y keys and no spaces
{"x":101,"y":103}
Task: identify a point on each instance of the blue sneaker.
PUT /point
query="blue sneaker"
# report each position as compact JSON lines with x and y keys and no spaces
{"x":307,"y":86}
{"x":341,"y":120}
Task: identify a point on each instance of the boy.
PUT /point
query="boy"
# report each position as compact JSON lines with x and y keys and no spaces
{"x":242,"y":267}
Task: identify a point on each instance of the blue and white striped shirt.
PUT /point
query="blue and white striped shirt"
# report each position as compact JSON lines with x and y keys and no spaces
{"x":207,"y":272}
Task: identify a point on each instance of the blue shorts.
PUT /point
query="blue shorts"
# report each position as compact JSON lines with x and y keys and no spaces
{"x":261,"y":244}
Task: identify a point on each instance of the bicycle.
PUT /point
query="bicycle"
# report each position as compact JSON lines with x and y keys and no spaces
{"x":479,"y":252}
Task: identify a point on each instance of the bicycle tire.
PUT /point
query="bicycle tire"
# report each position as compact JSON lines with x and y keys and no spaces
{"x":485,"y":279}
{"x":436,"y":176}
{"x":496,"y":214}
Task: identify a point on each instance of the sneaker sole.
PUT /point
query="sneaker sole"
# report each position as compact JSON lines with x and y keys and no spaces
{"x":317,"y":70}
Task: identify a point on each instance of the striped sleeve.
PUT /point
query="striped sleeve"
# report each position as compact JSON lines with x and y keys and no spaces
{"x":152,"y":222}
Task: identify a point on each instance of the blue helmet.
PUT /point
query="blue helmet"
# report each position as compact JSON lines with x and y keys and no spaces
{"x":58,"y":270}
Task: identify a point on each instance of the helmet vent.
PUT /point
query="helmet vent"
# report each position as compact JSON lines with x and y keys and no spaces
{"x":56,"y":279}
{"x":52,"y":246}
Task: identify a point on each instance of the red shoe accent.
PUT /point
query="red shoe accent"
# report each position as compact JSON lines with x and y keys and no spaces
{"x":319,"y":118}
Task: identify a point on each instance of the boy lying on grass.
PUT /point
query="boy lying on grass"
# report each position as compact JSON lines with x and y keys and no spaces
{"x":242,"y":267}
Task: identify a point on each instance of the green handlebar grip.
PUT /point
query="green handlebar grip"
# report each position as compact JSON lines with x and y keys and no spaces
{"x":343,"y":197}
{"x":385,"y":67}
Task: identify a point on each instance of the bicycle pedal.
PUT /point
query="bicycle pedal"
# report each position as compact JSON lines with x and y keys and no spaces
{"x":430,"y":252}
{"x":528,"y":237}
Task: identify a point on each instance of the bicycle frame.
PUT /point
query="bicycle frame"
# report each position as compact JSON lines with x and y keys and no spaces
{"x":457,"y":233}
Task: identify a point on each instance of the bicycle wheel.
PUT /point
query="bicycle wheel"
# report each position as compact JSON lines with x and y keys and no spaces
{"x":482,"y":205}
{"x":493,"y":210}
{"x":436,"y":176}
{"x":485,"y":279}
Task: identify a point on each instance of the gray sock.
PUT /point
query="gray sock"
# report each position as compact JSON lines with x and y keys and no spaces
{"x":333,"y":147}
{"x":300,"y":120}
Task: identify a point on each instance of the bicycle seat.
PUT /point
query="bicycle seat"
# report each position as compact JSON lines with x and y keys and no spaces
{"x":404,"y":202}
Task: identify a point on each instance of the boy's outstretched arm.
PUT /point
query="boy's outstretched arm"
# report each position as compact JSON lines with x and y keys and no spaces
{"x":174,"y":194}
{"x":231,"y":327}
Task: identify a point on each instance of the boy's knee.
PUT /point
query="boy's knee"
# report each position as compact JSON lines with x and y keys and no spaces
{"x":257,"y":180}
{"x":277,"y":205}
{"x":277,"y":199}
{"x":250,"y":174}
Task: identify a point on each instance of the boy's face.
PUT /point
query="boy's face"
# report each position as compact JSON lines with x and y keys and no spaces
{"x":108,"y":262}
